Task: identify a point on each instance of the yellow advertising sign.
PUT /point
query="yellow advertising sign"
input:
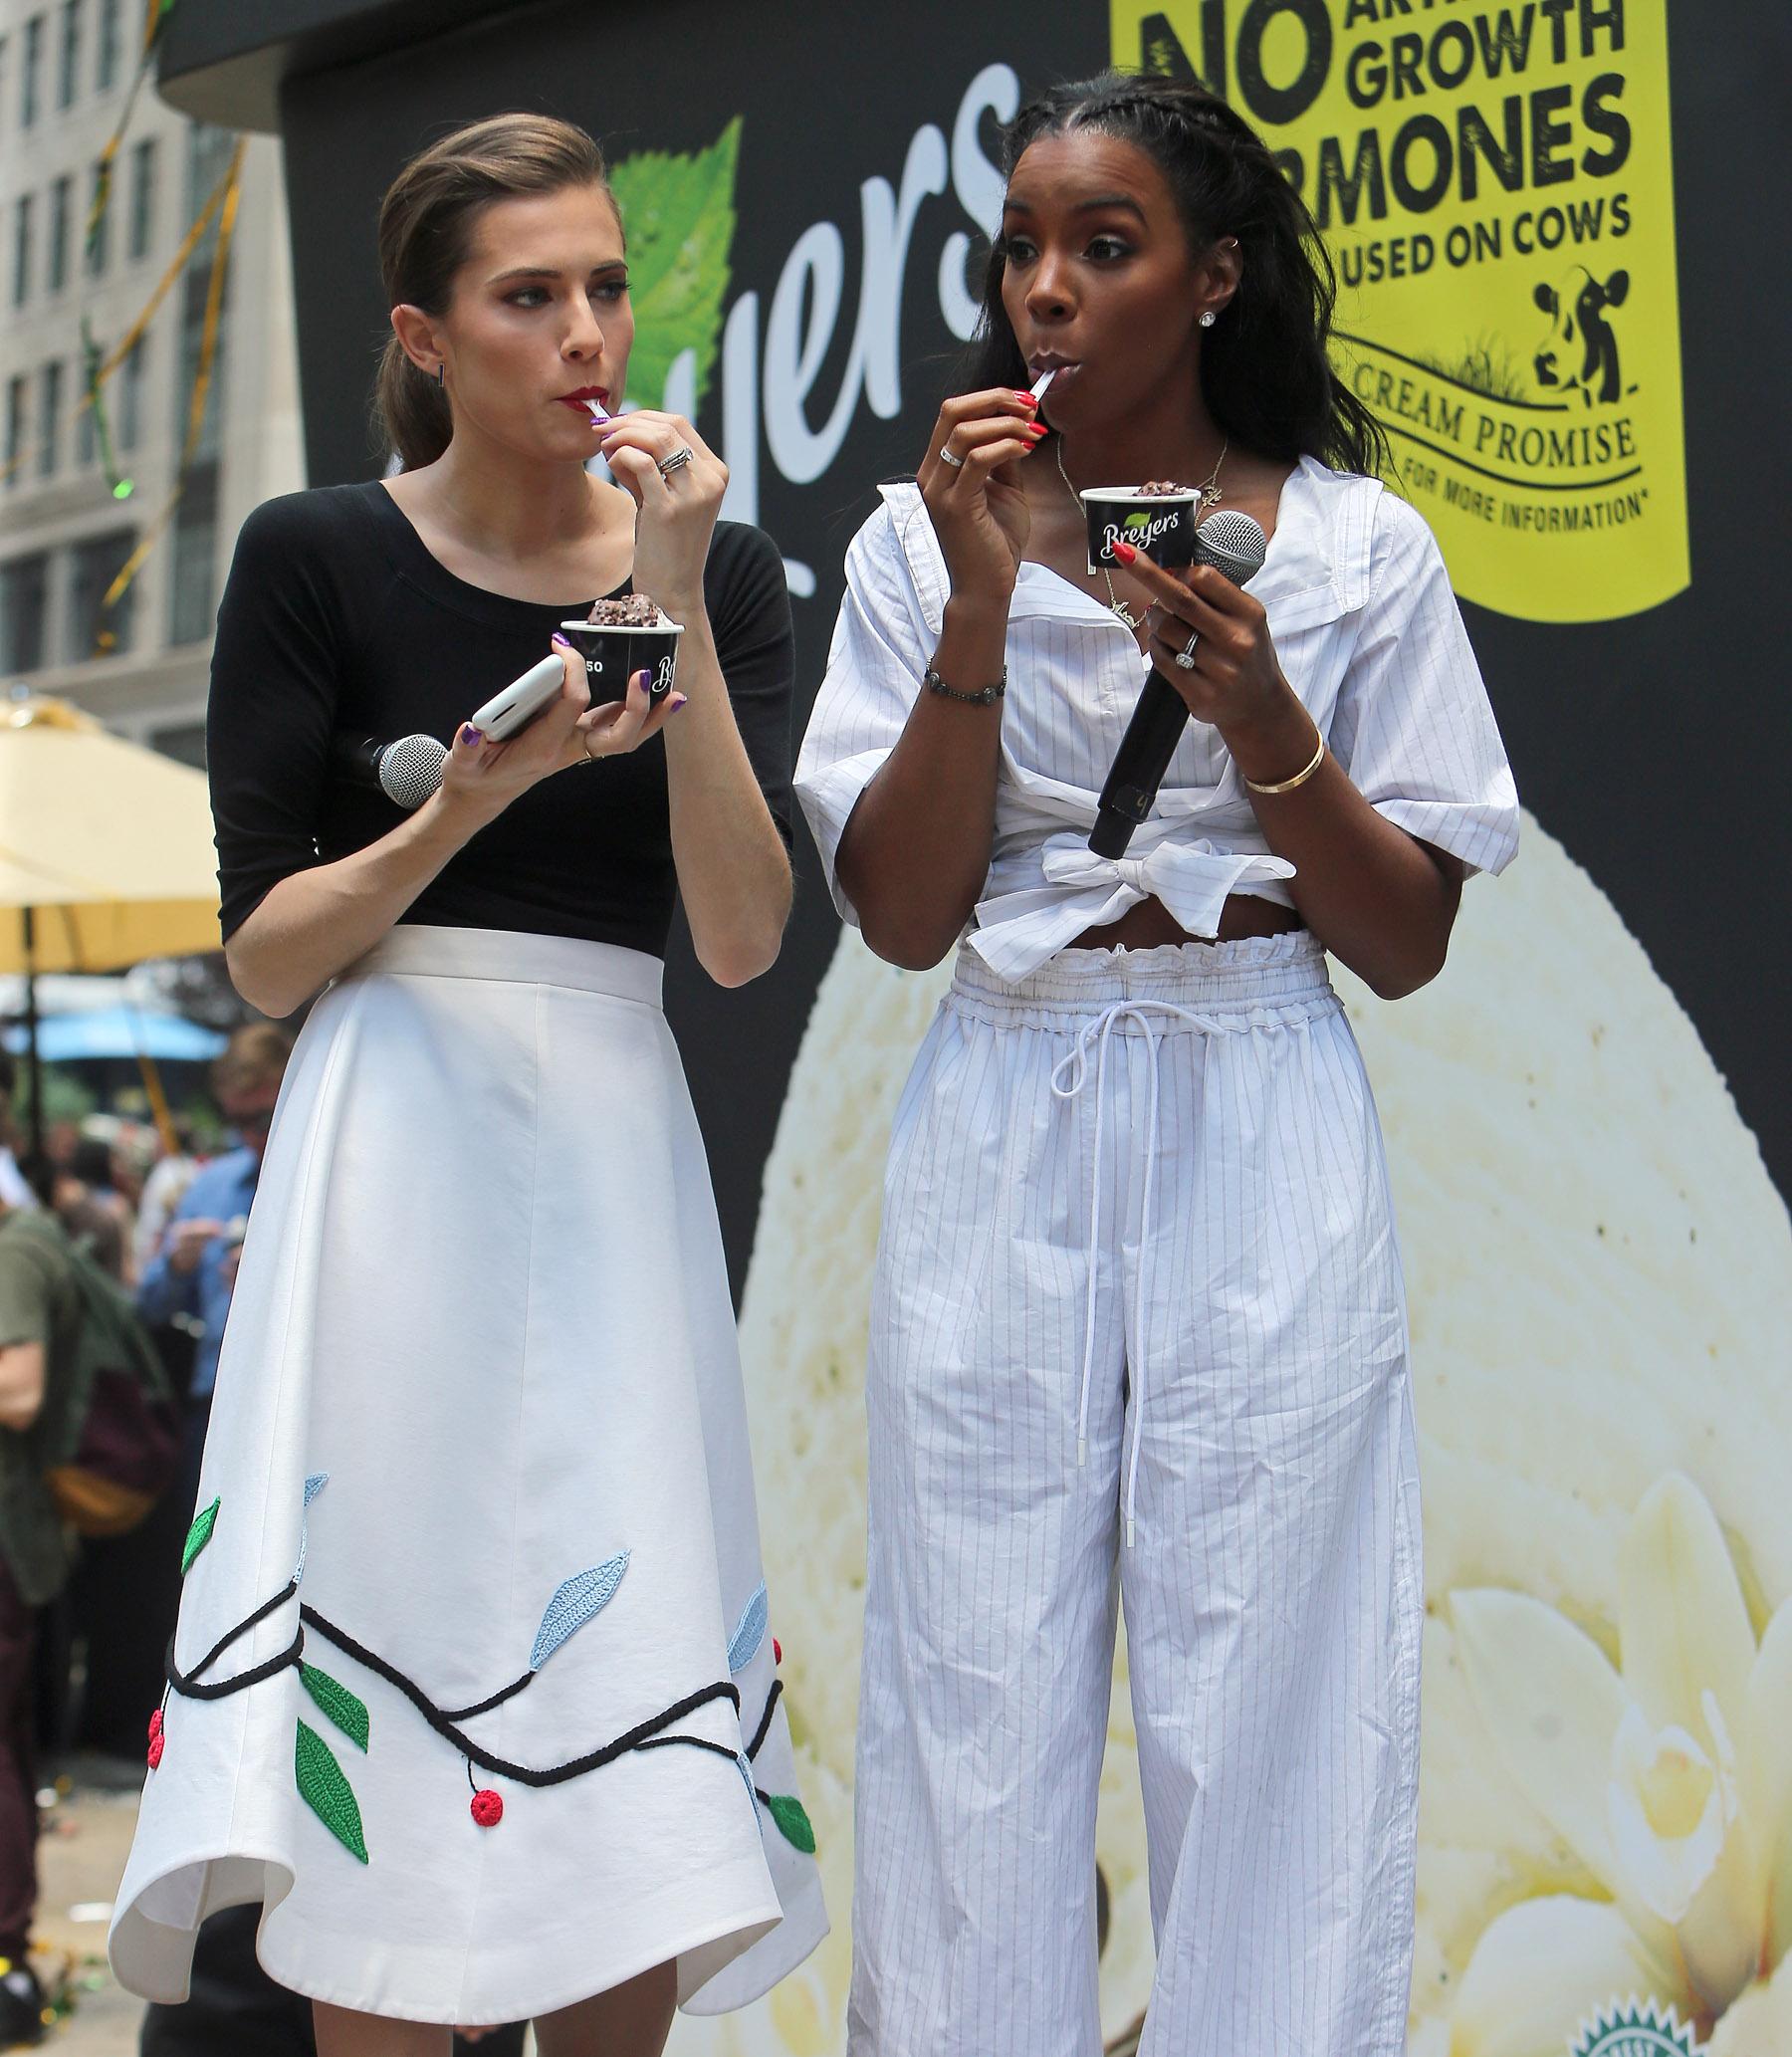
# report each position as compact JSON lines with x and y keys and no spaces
{"x":1493,"y":181}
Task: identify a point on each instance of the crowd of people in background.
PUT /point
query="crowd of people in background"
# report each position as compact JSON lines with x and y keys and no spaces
{"x":81,"y":1638}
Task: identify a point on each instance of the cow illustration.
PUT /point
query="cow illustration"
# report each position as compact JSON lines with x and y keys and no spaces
{"x":1576,"y":306}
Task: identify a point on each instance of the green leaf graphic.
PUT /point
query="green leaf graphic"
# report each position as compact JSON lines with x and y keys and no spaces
{"x":325,"y":1791}
{"x":788,"y":1812}
{"x":198,"y":1536}
{"x":679,"y":214}
{"x":346,"y":1709}
{"x":1138,"y":520}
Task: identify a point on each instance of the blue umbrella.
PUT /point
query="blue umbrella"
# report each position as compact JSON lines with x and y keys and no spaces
{"x":120,"y":1031}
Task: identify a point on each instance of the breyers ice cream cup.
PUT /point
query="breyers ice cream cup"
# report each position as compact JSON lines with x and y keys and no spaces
{"x":635,"y":638}
{"x":1158,"y":522}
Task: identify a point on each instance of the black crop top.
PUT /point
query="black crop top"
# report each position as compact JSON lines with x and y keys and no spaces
{"x":338,"y":621}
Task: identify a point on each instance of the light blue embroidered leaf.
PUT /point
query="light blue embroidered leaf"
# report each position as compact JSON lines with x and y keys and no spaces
{"x":749,"y":1633}
{"x":326,"y":1791}
{"x":752,"y":1791}
{"x":346,"y":1709}
{"x":314,"y":1485}
{"x":198,"y":1536}
{"x":573,"y":1604}
{"x":791,"y":1817}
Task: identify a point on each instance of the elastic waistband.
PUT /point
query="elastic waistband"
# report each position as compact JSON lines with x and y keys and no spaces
{"x":1266,"y":980}
{"x":509,"y":957}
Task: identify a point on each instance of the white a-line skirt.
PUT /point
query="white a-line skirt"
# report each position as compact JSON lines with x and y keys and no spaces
{"x":475,"y":1684}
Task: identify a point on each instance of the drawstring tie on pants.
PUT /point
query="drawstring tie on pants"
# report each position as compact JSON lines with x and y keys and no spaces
{"x":1075,"y":1063}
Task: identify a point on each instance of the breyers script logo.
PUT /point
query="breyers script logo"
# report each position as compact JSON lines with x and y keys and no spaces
{"x":1494,"y":184}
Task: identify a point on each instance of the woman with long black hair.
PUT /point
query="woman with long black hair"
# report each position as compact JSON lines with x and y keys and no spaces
{"x":1138,"y":1317}
{"x":473,"y":1685}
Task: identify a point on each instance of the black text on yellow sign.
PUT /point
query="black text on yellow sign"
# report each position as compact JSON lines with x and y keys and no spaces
{"x":1493,"y":181}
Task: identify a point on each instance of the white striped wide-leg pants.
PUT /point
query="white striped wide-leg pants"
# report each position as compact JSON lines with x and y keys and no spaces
{"x":1138,"y":1203}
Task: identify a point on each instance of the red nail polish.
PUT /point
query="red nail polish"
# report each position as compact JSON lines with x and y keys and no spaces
{"x":1027,"y":400}
{"x":1124,"y":551}
{"x":1035,"y":431}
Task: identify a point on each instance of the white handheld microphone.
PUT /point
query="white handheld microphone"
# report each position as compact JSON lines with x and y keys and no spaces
{"x":406,"y":772}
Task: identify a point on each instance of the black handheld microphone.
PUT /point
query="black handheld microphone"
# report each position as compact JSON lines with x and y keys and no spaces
{"x":1235,"y":545}
{"x":406,"y":772}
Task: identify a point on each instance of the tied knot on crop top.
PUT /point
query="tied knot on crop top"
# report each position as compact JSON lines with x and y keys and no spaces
{"x":1368,"y":634}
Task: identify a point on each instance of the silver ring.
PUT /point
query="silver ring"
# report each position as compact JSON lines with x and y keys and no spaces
{"x":946,"y":457}
{"x":1185,"y":657}
{"x":681,"y":456}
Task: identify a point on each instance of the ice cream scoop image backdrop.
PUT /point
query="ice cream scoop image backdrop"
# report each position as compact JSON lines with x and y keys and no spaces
{"x":1601,"y":1285}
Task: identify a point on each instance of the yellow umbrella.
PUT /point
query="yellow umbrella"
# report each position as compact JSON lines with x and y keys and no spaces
{"x":106,"y":853}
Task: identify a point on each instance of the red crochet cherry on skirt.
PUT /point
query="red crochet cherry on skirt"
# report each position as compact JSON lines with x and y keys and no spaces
{"x":155,"y":1724}
{"x":776,"y":1651}
{"x":487,"y":1808}
{"x":156,"y":1752}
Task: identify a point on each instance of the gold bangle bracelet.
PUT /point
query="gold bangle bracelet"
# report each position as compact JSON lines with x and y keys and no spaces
{"x":1300,"y":778}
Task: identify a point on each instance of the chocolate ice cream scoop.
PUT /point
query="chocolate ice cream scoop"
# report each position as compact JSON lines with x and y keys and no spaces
{"x":629,"y":610}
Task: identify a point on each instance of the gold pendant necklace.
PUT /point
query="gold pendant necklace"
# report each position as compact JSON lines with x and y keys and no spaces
{"x":1209,"y":496}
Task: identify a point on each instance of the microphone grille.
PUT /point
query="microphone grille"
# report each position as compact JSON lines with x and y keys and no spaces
{"x":410,"y":769}
{"x":1231,"y":543}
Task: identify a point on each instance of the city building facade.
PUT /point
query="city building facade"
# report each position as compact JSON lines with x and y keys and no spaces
{"x":68,"y":519}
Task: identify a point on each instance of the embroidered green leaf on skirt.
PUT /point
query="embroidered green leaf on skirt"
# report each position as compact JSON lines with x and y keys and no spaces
{"x":788,"y":1811}
{"x":326,"y":1791}
{"x":198,"y":1536}
{"x":346,"y":1709}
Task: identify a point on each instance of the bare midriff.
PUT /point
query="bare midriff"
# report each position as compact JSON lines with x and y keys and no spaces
{"x":1150,"y":923}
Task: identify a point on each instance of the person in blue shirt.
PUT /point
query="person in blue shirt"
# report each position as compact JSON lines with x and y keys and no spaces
{"x":194,"y":1272}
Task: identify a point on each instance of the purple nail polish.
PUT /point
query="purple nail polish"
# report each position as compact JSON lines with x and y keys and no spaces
{"x":558,"y":641}
{"x":678,"y":701}
{"x":471,"y":737}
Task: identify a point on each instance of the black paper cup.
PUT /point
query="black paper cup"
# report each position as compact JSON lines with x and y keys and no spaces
{"x":1160,"y":525}
{"x":613,"y":655}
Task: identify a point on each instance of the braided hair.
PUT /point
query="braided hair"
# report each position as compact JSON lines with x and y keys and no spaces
{"x":1264,"y":372}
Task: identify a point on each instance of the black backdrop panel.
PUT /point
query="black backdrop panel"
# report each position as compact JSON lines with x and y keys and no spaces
{"x":1655,"y":747}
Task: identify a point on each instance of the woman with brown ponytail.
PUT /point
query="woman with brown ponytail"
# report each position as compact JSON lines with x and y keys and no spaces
{"x":1137,"y":1328}
{"x":473,"y":1686}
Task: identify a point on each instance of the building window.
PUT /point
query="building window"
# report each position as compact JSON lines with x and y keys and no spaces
{"x":107,"y":71}
{"x":96,"y":245}
{"x":15,"y":429}
{"x":50,"y":400}
{"x":31,"y":70}
{"x":142,"y":199}
{"x":21,"y":249}
{"x":61,"y":196}
{"x":23,"y":593}
{"x":69,"y":70}
{"x":195,"y":555}
{"x":95,"y":631}
{"x":86,"y":432}
{"x":209,"y":153}
{"x":184,"y":742}
{"x":131,"y":396}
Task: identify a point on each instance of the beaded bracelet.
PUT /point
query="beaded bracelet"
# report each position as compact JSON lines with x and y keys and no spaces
{"x":984,"y":696}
